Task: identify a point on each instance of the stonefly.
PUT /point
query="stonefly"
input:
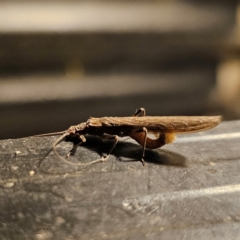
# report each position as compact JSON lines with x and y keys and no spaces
{"x":137,"y":127}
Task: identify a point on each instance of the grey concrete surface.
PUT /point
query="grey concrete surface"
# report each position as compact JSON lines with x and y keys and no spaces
{"x":188,"y":189}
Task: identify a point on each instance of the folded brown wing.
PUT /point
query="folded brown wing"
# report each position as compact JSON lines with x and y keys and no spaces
{"x":176,"y":124}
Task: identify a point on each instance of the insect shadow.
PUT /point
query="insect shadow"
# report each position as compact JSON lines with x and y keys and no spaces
{"x":126,"y":151}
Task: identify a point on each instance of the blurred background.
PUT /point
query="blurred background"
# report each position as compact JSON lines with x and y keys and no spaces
{"x":63,"y":61}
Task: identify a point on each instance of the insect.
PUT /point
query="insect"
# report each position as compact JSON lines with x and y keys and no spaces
{"x":137,"y":127}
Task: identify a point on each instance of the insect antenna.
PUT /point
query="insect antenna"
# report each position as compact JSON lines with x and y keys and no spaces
{"x":48,"y":134}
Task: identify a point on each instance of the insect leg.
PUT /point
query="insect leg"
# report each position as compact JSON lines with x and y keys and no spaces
{"x":103,"y":158}
{"x":139,"y":112}
{"x":115,"y":137}
{"x":146,"y":142}
{"x":83,"y":139}
{"x":141,"y":138}
{"x":71,"y":163}
{"x":144,"y":145}
{"x":59,"y":140}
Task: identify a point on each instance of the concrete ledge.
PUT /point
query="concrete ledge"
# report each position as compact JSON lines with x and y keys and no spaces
{"x":190,"y":187}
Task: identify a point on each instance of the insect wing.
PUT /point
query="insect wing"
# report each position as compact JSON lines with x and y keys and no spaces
{"x":176,"y":124}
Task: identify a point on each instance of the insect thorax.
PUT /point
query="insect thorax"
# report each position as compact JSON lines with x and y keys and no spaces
{"x":77,"y":128}
{"x":80,"y":127}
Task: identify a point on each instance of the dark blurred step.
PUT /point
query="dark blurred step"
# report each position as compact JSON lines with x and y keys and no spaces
{"x":112,"y":36}
{"x":53,"y":103}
